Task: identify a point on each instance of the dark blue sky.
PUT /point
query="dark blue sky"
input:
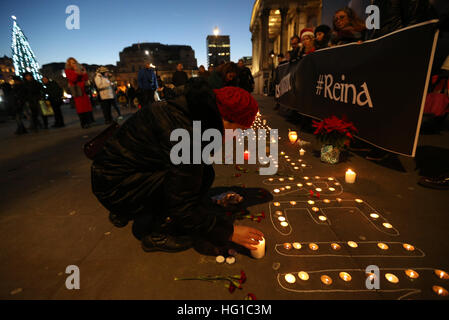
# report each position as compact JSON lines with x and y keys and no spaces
{"x":107,"y":26}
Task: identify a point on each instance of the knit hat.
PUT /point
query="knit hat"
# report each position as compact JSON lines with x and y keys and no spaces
{"x":322,"y":28}
{"x":236,"y":105}
{"x":306,"y":32}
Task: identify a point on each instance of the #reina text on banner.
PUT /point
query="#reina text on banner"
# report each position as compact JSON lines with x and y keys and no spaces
{"x":380,"y":85}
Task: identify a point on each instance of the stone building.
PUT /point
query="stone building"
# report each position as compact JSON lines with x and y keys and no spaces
{"x":163,"y":57}
{"x":6,"y":69}
{"x":273,"y":23}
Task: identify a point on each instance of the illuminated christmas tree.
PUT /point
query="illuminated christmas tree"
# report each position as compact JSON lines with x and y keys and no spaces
{"x":23,"y":57}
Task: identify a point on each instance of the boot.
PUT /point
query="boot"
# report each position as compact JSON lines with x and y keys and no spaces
{"x":166,"y":243}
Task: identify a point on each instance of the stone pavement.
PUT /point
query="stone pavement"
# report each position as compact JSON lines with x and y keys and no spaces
{"x":49,"y":219}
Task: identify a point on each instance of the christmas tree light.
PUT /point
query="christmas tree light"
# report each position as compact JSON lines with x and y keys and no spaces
{"x":23,"y":57}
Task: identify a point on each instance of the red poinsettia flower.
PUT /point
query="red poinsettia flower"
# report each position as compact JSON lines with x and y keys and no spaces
{"x":242,"y":276}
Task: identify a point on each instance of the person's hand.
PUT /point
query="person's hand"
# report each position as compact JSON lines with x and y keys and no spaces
{"x":246,"y":236}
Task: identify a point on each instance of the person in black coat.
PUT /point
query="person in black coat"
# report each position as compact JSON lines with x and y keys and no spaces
{"x":246,"y":80}
{"x":134,"y":177}
{"x":33,"y":94}
{"x":179,"y":77}
{"x":54,"y":94}
{"x":18,"y":103}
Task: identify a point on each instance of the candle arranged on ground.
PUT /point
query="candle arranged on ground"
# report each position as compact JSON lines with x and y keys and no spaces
{"x":345,"y":276}
{"x":302,"y":152}
{"x":246,"y":155}
{"x":442,"y":274}
{"x":303,"y":275}
{"x":293,"y":136}
{"x":326,"y":280}
{"x":350,"y":176}
{"x":412,"y":274}
{"x":440,"y":291}
{"x":259,"y":253}
{"x":391,"y":278}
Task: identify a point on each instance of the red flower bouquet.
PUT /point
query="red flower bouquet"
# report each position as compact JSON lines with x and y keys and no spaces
{"x":335,"y":131}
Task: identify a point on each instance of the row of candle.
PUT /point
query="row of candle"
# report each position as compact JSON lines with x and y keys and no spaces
{"x":336,"y":246}
{"x":345,"y":276}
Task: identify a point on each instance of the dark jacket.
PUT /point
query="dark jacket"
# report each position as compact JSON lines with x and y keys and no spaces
{"x":33,"y":90}
{"x":147,"y":80}
{"x":134,"y":174}
{"x":54,"y":92}
{"x":246,"y":80}
{"x":179,"y":78}
{"x":18,"y":95}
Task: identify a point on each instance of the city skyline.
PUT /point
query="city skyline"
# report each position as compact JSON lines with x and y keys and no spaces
{"x":107,"y":27}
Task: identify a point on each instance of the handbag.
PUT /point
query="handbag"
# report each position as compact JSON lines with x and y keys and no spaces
{"x":75,"y":90}
{"x":46,"y":108}
{"x":94,"y":146}
{"x":437,"y":102}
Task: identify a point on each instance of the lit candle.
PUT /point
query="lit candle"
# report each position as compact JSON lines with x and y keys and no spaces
{"x":304,"y":276}
{"x":374,"y":215}
{"x":322,"y":218}
{"x":315,"y":209}
{"x":326,"y":201}
{"x":392,"y":278}
{"x":276,"y":191}
{"x":313,"y":246}
{"x":318,"y":189}
{"x":278,"y":213}
{"x":331,"y":189}
{"x":306,"y":178}
{"x":339,"y":200}
{"x":282,"y":153}
{"x":442,"y":274}
{"x":440,"y":291}
{"x":326,"y":280}
{"x":297,"y":245}
{"x":330,"y":179}
{"x":382,"y":246}
{"x":291,"y":178}
{"x":290,"y":278}
{"x":352,"y":244}
{"x":276,"y":204}
{"x":281,"y":218}
{"x":293,"y":136}
{"x":287,"y":246}
{"x":311,"y":202}
{"x":287,"y":187}
{"x":345,"y":276}
{"x":335,"y":246}
{"x":302,"y":152}
{"x":230,"y":260}
{"x":303,"y":165}
{"x":220,"y":259}
{"x":412,"y":274}
{"x":259,"y":253}
{"x":299,"y":185}
{"x":293,"y":203}
{"x":296,"y":168}
{"x":284,"y":224}
{"x":281,"y":179}
{"x":317,"y":177}
{"x":350,"y":176}
{"x":358,"y":200}
{"x":408,"y":247}
{"x":387,"y":225}
{"x":246,"y":155}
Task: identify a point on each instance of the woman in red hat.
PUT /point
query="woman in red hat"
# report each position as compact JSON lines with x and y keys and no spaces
{"x":135,"y":179}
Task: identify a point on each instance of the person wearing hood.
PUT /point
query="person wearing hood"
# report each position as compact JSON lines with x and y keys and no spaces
{"x":135,"y":179}
{"x":322,"y":36}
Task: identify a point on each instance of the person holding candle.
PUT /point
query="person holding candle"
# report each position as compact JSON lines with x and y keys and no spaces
{"x":134,"y":178}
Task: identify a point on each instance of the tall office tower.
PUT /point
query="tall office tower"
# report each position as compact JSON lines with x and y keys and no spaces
{"x":218,"y":49}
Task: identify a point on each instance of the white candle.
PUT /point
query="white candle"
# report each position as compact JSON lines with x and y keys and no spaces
{"x":350,"y":176}
{"x":259,"y":253}
{"x":302,"y":152}
{"x":293,"y":136}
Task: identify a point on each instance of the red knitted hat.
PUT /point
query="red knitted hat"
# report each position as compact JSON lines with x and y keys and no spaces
{"x":236,"y":105}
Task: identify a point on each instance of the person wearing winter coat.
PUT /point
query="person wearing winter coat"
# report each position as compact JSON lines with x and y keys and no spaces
{"x":224,"y":75}
{"x":33,"y":94}
{"x":54,"y":94}
{"x":147,"y":81}
{"x":322,"y":36}
{"x":18,"y":102}
{"x":348,"y":27}
{"x":77,"y":77}
{"x":106,"y":92}
{"x":179,"y":78}
{"x":135,"y":179}
{"x":246,"y":80}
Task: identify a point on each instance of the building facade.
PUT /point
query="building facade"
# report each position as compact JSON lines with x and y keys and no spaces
{"x":164,"y":58}
{"x":273,"y":23}
{"x":218,"y":50}
{"x":6,"y":69}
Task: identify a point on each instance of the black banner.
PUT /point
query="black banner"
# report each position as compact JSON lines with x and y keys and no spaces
{"x":380,"y":85}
